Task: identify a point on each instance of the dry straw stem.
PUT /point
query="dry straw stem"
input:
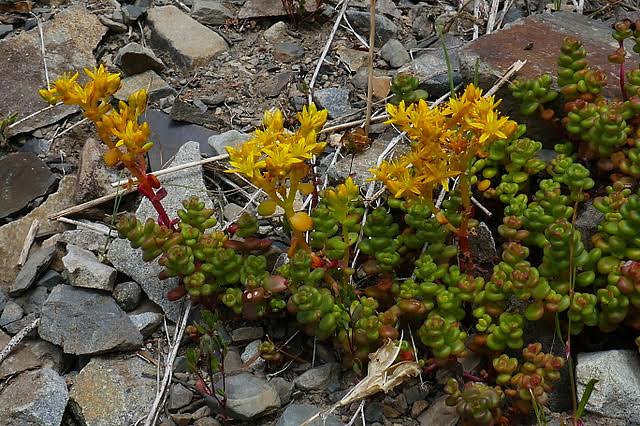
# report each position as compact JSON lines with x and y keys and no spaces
{"x":28,"y":241}
{"x":161,"y":395}
{"x":372,"y":39}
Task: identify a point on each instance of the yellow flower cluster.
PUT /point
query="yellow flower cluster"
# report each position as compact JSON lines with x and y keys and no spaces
{"x":445,"y":139}
{"x":275,"y":159}
{"x":119,"y":129}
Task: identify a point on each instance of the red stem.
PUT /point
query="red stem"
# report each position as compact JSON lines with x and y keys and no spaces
{"x":624,"y":94}
{"x":163,"y":218}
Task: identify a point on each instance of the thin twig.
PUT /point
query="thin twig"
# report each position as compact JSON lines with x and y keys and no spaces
{"x":40,"y":111}
{"x":476,"y":14}
{"x":179,"y":167}
{"x":15,"y":340}
{"x":492,"y":16}
{"x":372,"y":41}
{"x":514,"y":68}
{"x":91,"y":227}
{"x":42,"y":48}
{"x":168,"y":370}
{"x":92,"y":203}
{"x":67,"y":130}
{"x":327,"y":46}
{"x":28,"y":241}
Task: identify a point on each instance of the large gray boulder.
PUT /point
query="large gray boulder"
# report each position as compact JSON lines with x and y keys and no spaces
{"x":85,"y":322}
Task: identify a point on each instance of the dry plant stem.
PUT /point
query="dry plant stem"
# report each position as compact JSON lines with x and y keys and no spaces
{"x":40,"y":111}
{"x":42,"y":48}
{"x":15,"y":340}
{"x":87,"y":226}
{"x":161,"y":395}
{"x":327,"y":46}
{"x":168,"y":170}
{"x":476,"y":14}
{"x":492,"y":16}
{"x":93,"y":203}
{"x":28,"y":241}
{"x":372,"y":39}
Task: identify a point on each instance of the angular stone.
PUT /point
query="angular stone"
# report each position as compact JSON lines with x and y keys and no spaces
{"x":83,"y":269}
{"x":32,"y":301}
{"x":169,"y":135}
{"x":5,"y":29}
{"x":11,"y":313}
{"x":296,"y":414}
{"x":277,"y":33}
{"x":70,"y":38}
{"x":146,"y":322}
{"x":232,"y":138}
{"x":129,"y":261}
{"x":135,"y":59}
{"x":35,"y":265}
{"x":538,"y":39}
{"x":335,"y":100}
{"x":156,"y":87}
{"x":275,"y":84}
{"x":19,"y":359}
{"x":189,"y":112}
{"x":50,"y":279}
{"x":34,"y":398}
{"x":319,"y":377}
{"x":12,"y":235}
{"x":94,"y":177}
{"x":267,"y":8}
{"x":431,"y":70}
{"x":248,"y":396}
{"x":187,"y":41}
{"x":243,"y":334}
{"x":131,"y":13}
{"x":385,"y":28}
{"x":210,"y":12}
{"x":355,"y":59}
{"x":84,"y":322}
{"x":86,"y":238}
{"x":179,"y":397}
{"x":439,"y":413}
{"x":115,"y":26}
{"x":394,"y":53}
{"x":287,"y":52}
{"x":23,"y":178}
{"x":284,"y":389}
{"x":251,"y":356}
{"x":113,"y":391}
{"x":617,"y":393}
{"x":127,"y":295}
{"x":47,"y":354}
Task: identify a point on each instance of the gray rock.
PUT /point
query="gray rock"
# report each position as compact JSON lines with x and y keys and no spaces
{"x":85,"y":322}
{"x":394,"y":53}
{"x":277,"y":33}
{"x":86,"y":239}
{"x":13,"y":234}
{"x":117,"y":16}
{"x":23,"y":178}
{"x":284,"y":389}
{"x":83,"y":269}
{"x":335,"y":100}
{"x":439,"y":414}
{"x":3,"y":299}
{"x":35,"y":265}
{"x":232,"y":212}
{"x":129,"y":260}
{"x":181,"y":110}
{"x":115,"y":26}
{"x":156,"y":87}
{"x":318,"y":378}
{"x":232,"y":138}
{"x":16,"y":326}
{"x":50,"y":279}
{"x":617,"y":393}
{"x":32,"y":301}
{"x":135,"y":59}
{"x":483,"y":246}
{"x":296,"y":414}
{"x":415,"y":393}
{"x":431,"y":70}
{"x":206,"y":421}
{"x":244,"y":334}
{"x":12,"y":312}
{"x":132,"y":13}
{"x":19,"y":359}
{"x":287,"y":52}
{"x":187,"y":41}
{"x":252,"y":352}
{"x":266,"y":8}
{"x":47,"y":354}
{"x":113,"y":391}
{"x":127,"y":295}
{"x":71,"y":37}
{"x":373,"y":412}
{"x":385,"y":28}
{"x":94,"y":176}
{"x":248,"y":397}
{"x":5,"y":29}
{"x":232,"y":361}
{"x":210,"y":12}
{"x":179,"y":397}
{"x":587,"y":222}
{"x":146,"y":322}
{"x":34,"y":398}
{"x":557,"y":419}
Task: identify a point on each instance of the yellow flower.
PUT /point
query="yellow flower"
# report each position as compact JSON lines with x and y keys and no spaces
{"x":311,"y":119}
{"x":105,"y":83}
{"x":273,"y":120}
{"x":491,"y":126}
